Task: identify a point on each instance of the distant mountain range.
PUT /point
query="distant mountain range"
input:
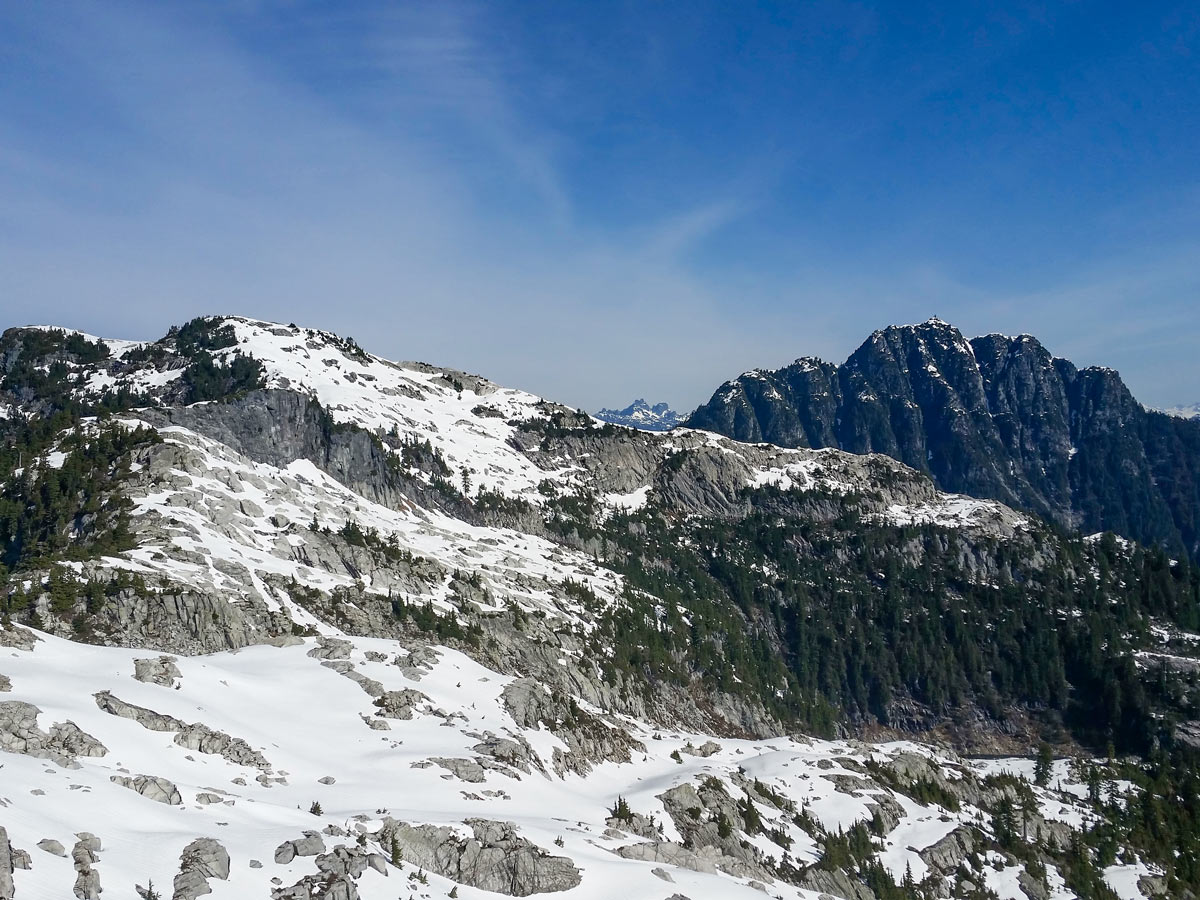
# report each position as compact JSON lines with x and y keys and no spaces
{"x":993,"y":416}
{"x":1191,"y":411}
{"x":640,"y":414}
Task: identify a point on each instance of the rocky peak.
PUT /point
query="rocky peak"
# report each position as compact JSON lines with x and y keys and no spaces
{"x":995,"y":416}
{"x":640,"y":414}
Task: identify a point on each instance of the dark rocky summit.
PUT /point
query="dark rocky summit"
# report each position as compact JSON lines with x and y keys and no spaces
{"x":993,"y":416}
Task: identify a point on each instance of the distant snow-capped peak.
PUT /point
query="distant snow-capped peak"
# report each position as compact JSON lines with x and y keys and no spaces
{"x":1191,"y":411}
{"x":640,"y":414}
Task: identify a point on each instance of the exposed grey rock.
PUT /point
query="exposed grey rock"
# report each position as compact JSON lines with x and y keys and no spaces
{"x":52,"y":846}
{"x":5,"y":684}
{"x":17,"y":637}
{"x":496,"y":858}
{"x":328,"y":779}
{"x":255,"y":864}
{"x":888,"y":809}
{"x":7,"y":888}
{"x":465,"y":769}
{"x":419,"y":661}
{"x":202,"y":859}
{"x":947,"y":853}
{"x":670,"y":853}
{"x":19,"y":733}
{"x":194,"y":737}
{"x":159,"y":670}
{"x":338,"y":871}
{"x":513,"y":752}
{"x":309,"y":845}
{"x":636,"y":824}
{"x":708,"y":748}
{"x":87,"y":884}
{"x":69,"y":740}
{"x":208,"y":797}
{"x":83,"y":854}
{"x":589,"y":739}
{"x":331,"y":648}
{"x":344,"y":667}
{"x":835,"y":883}
{"x":1034,"y":889}
{"x":663,"y":874}
{"x":152,"y":787}
{"x":400,"y":704}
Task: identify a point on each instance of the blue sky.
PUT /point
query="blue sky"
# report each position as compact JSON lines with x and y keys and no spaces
{"x":597,"y":201}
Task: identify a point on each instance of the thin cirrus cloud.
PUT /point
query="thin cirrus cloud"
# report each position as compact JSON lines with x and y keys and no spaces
{"x":420,"y":177}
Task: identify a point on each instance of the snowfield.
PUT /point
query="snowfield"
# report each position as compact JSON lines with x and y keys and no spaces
{"x":311,"y":725}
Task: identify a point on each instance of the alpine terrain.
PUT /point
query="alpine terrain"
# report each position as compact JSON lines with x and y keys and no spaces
{"x":283,"y":619}
{"x":993,"y":416}
{"x":640,"y":414}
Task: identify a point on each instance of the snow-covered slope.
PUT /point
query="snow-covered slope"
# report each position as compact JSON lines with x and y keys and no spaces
{"x":317,"y":731}
{"x":344,"y":495}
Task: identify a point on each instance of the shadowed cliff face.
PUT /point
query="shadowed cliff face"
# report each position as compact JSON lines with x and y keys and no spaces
{"x":994,"y":417}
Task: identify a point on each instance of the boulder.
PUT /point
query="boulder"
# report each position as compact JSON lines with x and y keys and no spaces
{"x":157,"y":670}
{"x":52,"y":847}
{"x":202,"y":859}
{"x":331,"y":648}
{"x":152,"y":787}
{"x":495,"y":858}
{"x":399,"y":704}
{"x":17,"y":637}
{"x":19,"y":733}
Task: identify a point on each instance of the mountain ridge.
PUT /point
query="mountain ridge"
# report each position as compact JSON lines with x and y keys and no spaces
{"x":995,"y":416}
{"x":640,"y":414}
{"x":502,"y":607}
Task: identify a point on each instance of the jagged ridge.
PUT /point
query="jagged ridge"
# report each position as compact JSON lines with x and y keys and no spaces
{"x":995,"y":417}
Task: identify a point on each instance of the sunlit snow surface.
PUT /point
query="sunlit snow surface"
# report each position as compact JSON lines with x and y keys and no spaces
{"x":306,"y":719}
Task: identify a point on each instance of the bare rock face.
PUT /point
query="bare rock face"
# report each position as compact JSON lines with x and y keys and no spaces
{"x":337,"y":871}
{"x":7,"y":889}
{"x":83,"y":855}
{"x":399,"y":704}
{"x":344,"y":667}
{"x":152,"y":787}
{"x":495,"y":859}
{"x":160,"y":670}
{"x":19,"y":733}
{"x":590,"y":740}
{"x":331,"y":648}
{"x":5,"y":684}
{"x":309,"y":845}
{"x":202,"y":859}
{"x":947,"y":853}
{"x":195,"y":736}
{"x":464,"y":769}
{"x":17,"y":637}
